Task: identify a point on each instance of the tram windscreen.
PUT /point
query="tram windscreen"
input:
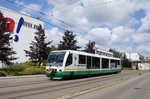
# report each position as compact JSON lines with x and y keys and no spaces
{"x":56,"y":58}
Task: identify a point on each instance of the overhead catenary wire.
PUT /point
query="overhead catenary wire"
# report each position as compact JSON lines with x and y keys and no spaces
{"x":70,"y":4}
{"x":100,"y":3}
{"x":46,"y":23}
{"x":88,"y":6}
{"x":35,"y":18}
{"x":51,"y":17}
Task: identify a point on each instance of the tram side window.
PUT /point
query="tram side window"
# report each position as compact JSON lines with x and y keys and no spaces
{"x":95,"y":63}
{"x":82,"y":59}
{"x":105,"y":63}
{"x":112,"y":64}
{"x":69,"y":60}
{"x":88,"y":62}
{"x":117,"y":63}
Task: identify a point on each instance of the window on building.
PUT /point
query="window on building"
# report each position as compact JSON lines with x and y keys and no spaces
{"x":27,"y":24}
{"x":35,"y":27}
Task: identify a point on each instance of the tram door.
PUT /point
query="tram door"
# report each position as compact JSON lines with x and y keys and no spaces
{"x":75,"y":59}
{"x":88,"y":62}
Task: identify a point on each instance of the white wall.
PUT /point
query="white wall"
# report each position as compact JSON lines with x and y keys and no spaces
{"x":132,"y":56}
{"x":26,"y":34}
{"x":143,"y":66}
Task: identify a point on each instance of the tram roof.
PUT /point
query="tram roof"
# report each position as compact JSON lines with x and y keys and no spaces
{"x":86,"y":54}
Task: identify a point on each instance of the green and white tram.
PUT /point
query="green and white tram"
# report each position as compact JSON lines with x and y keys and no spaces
{"x":69,"y":63}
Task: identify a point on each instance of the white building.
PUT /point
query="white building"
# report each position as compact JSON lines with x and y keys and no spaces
{"x":134,"y":56}
{"x":104,"y":53}
{"x":138,"y":61}
{"x":26,"y":33}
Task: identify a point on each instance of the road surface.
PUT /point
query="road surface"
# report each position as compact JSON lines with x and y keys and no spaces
{"x":39,"y":87}
{"x":136,"y":88}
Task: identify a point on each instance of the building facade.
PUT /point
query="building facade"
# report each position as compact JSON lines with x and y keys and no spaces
{"x":134,"y":56}
{"x":23,"y":31}
{"x":138,"y":61}
{"x":103,"y":53}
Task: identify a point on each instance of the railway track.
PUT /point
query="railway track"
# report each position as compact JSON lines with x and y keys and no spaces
{"x":31,"y":89}
{"x":22,"y":83}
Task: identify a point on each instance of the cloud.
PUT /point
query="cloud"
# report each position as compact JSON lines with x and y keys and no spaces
{"x":81,"y":41}
{"x":27,"y":9}
{"x":61,"y":3}
{"x":141,"y":38}
{"x":94,"y":13}
{"x":145,"y":27}
{"x":144,"y":50}
{"x":111,"y":24}
{"x":54,"y":35}
{"x":101,"y":36}
{"x":34,"y":7}
{"x":121,"y":35}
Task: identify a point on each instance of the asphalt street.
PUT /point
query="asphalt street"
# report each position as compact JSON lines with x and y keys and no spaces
{"x":136,"y":88}
{"x":125,"y":85}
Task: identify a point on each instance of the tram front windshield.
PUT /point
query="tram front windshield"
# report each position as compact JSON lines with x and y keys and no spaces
{"x":56,"y":58}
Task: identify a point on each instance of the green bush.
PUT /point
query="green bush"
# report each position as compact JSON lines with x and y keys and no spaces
{"x":2,"y":73}
{"x":27,"y":68}
{"x":10,"y":71}
{"x":29,"y":63}
{"x":17,"y":67}
{"x":14,"y":73}
{"x":42,"y":67}
{"x":20,"y":67}
{"x":33,"y":70}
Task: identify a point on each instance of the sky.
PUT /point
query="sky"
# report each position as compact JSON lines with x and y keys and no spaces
{"x":123,"y":25}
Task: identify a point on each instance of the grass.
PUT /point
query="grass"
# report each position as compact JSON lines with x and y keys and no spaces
{"x":127,"y":68}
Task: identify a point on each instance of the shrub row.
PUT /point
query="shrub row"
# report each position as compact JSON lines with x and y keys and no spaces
{"x":33,"y":71}
{"x":2,"y":73}
{"x":17,"y":70}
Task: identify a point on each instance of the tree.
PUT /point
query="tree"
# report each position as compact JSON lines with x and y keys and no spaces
{"x":126,"y":62}
{"x":90,"y":47}
{"x":39,"y":49}
{"x":52,"y":48}
{"x":115,"y":53}
{"x":69,"y":42}
{"x":6,"y":51}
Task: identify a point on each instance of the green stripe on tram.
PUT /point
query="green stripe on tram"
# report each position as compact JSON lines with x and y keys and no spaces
{"x":64,"y":74}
